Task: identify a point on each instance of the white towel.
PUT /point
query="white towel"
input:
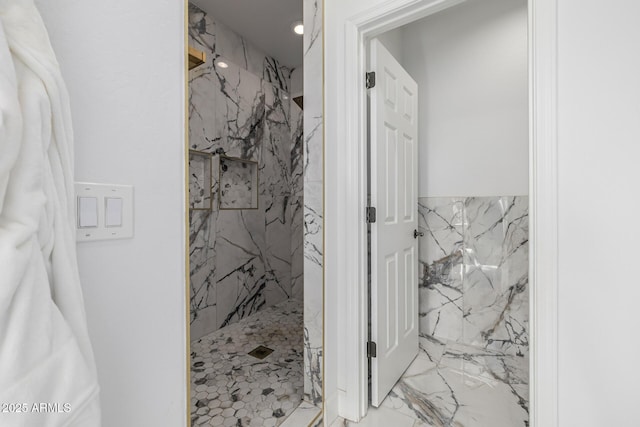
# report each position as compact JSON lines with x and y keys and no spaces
{"x":47,"y":370}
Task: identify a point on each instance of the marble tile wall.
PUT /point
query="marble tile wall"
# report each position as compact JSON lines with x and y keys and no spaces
{"x":216,"y":39}
{"x":313,"y":200}
{"x":474,"y":261}
{"x":296,"y":202}
{"x":243,"y":260}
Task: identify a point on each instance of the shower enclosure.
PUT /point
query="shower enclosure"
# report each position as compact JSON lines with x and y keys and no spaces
{"x":246,"y":230}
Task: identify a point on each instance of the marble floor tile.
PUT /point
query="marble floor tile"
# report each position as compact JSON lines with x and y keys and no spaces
{"x":231,"y":388}
{"x":303,"y":415}
{"x":454,"y":385}
{"x":379,"y":417}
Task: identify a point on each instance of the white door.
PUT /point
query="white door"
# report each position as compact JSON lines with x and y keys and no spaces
{"x":394,"y":249}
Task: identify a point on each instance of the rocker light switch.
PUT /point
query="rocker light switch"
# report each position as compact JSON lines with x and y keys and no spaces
{"x":113,"y":212}
{"x":87,"y":212}
{"x":105,"y":211}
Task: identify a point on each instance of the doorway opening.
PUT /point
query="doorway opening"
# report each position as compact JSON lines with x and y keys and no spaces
{"x":245,"y":214}
{"x":466,"y":326}
{"x":346,"y":196}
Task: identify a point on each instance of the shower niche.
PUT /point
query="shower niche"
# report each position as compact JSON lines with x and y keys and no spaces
{"x":238,"y":180}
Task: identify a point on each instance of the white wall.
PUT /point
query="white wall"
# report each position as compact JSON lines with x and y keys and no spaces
{"x":470,"y":63}
{"x":394,"y":42}
{"x":124,"y":66}
{"x":599,"y":134}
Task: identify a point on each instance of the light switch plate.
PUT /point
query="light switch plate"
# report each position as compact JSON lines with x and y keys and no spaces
{"x":114,"y":211}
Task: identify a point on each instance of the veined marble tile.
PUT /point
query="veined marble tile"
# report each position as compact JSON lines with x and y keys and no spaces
{"x":313,"y":357}
{"x":313,"y":351}
{"x":378,"y":417}
{"x":200,"y":175}
{"x":441,"y":269}
{"x":239,"y":118}
{"x":236,"y":50}
{"x":278,"y":253}
{"x":275,"y":168}
{"x":276,"y":74}
{"x":511,"y":335}
{"x":443,"y":222}
{"x":302,"y":416}
{"x":313,"y":223}
{"x":297,"y":200}
{"x":203,"y":94}
{"x":484,"y":402}
{"x":313,"y":190}
{"x":229,"y":387}
{"x":427,"y":397}
{"x":498,"y":321}
{"x":201,"y":325}
{"x":202,"y":30}
{"x":431,"y":347}
{"x":496,"y":273}
{"x":228,"y":116}
{"x":313,"y":289}
{"x":484,"y":365}
{"x":312,"y":38}
{"x":464,"y":389}
{"x":203,"y":283}
{"x":441,"y":313}
{"x":297,"y":247}
{"x":313,"y":147}
{"x":240,"y":265}
{"x":313,"y":119}
{"x":474,"y":271}
{"x":248,"y":259}
{"x":313,"y":310}
{"x":238,"y":184}
{"x":297,"y":138}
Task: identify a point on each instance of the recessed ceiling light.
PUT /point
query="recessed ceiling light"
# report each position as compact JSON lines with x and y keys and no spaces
{"x":297,"y":27}
{"x":223,"y":64}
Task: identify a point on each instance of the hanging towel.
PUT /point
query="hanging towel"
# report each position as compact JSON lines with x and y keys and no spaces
{"x":47,"y":369}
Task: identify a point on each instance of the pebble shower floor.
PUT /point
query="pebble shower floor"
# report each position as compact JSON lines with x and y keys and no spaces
{"x":231,"y":388}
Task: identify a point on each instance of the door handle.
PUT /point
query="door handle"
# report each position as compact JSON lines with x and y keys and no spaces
{"x":417,"y":233}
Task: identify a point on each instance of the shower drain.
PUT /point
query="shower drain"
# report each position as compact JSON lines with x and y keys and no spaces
{"x":260,"y":352}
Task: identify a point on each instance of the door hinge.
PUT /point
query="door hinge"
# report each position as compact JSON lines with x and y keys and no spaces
{"x":371,"y":214}
{"x":370,"y":79}
{"x":372,"y":349}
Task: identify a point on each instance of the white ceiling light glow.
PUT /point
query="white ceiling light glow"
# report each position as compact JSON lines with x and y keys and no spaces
{"x":222,"y":64}
{"x":297,"y":27}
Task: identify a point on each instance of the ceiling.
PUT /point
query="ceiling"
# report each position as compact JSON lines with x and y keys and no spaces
{"x":264,"y":23}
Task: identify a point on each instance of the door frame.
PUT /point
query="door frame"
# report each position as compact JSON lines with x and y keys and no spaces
{"x":346,"y":198}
